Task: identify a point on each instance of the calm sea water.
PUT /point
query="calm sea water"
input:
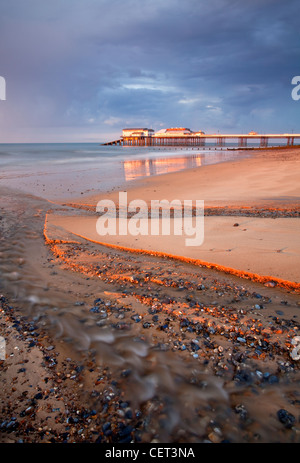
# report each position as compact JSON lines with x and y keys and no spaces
{"x":65,"y":170}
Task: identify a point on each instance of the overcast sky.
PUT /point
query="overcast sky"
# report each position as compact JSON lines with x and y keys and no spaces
{"x":81,"y":70}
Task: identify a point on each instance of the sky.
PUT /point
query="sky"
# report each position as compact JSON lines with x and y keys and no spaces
{"x":82,"y":70}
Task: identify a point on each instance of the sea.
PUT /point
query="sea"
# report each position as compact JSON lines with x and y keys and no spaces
{"x":57,"y":171}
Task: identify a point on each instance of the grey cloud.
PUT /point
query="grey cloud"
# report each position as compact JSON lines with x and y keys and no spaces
{"x":215,"y":64}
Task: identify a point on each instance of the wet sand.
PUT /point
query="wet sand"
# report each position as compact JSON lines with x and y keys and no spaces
{"x":251,"y":215}
{"x":268,"y":248}
{"x":107,"y":345}
{"x":266,"y":179}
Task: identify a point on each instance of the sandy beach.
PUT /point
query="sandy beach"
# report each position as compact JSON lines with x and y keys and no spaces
{"x":267,"y":178}
{"x":121,"y":339}
{"x":251,"y":223}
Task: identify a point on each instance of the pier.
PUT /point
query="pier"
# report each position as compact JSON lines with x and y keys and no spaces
{"x":219,"y":140}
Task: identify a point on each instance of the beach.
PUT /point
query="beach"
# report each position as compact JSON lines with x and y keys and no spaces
{"x":252,"y":209}
{"x":119,"y":339}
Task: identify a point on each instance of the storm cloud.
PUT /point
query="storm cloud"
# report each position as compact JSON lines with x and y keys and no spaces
{"x":81,"y":70}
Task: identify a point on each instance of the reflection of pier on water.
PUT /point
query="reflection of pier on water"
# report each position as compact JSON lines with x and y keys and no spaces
{"x":147,"y":167}
{"x":156,"y":166}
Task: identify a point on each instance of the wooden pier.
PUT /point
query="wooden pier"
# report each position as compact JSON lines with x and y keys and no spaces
{"x":201,"y":140}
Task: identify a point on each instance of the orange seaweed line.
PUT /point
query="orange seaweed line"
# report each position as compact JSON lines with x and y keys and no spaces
{"x":240,"y":273}
{"x":216,"y":208}
{"x":52,"y":241}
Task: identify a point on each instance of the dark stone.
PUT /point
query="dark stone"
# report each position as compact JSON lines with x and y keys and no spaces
{"x":79,"y":368}
{"x":125,"y":431}
{"x":146,"y":325}
{"x":241,"y":411}
{"x":243,"y":376}
{"x":128,"y":414}
{"x":286,"y":418}
{"x":12,"y":425}
{"x":273,"y":379}
{"x":126,"y":439}
{"x":194,"y":346}
{"x":106,"y":426}
{"x":200,"y":287}
{"x":95,"y":309}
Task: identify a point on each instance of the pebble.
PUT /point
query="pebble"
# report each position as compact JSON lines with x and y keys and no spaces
{"x":95,"y":309}
{"x":241,"y":411}
{"x":128,"y":414}
{"x":50,"y":348}
{"x":271,"y":284}
{"x":137,"y":318}
{"x":200,"y":287}
{"x":273,"y":379}
{"x":214,"y":437}
{"x":286,"y":418}
{"x":9,"y":425}
{"x":106,"y":426}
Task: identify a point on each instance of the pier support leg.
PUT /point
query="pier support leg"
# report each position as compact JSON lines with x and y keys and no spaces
{"x":242,"y":142}
{"x":264,"y":142}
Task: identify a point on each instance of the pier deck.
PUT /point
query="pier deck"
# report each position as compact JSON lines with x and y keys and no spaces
{"x":200,"y":140}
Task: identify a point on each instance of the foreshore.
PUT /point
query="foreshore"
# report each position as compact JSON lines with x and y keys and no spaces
{"x":141,"y":339}
{"x":251,"y":215}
